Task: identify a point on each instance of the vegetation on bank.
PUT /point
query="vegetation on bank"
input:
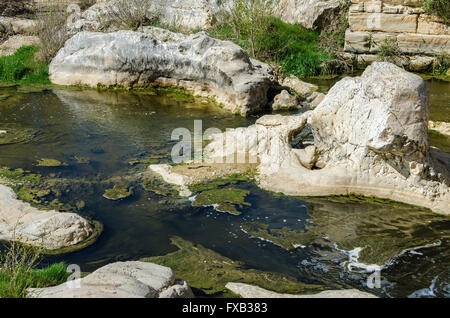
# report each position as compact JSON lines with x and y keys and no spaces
{"x":23,"y":68}
{"x":297,"y":50}
{"x":439,"y":8}
{"x":19,"y":271}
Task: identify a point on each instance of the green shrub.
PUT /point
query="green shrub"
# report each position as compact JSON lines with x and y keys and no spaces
{"x":441,"y":63}
{"x":291,"y":46}
{"x":22,"y":68}
{"x":18,"y":271}
{"x":439,"y":8}
{"x":388,"y":50}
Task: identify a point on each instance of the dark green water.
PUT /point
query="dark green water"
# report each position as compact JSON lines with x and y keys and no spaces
{"x":112,"y":128}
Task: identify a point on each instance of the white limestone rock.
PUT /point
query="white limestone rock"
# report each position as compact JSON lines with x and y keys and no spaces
{"x":299,"y":87}
{"x":48,"y":229}
{"x":371,"y":138}
{"x":121,"y":280}
{"x":250,"y":291}
{"x":201,"y":64}
{"x":285,"y":101}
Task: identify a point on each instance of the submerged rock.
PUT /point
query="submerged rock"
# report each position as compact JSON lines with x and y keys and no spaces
{"x":48,"y":229}
{"x":440,"y":126}
{"x":301,"y":88}
{"x":285,"y":101}
{"x":250,"y":291}
{"x":121,"y":280}
{"x":370,"y":137}
{"x":200,"y":64}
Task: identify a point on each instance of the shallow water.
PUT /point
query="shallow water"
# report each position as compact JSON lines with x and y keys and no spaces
{"x":112,"y":128}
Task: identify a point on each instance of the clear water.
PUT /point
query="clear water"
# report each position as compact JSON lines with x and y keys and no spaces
{"x":111,"y":128}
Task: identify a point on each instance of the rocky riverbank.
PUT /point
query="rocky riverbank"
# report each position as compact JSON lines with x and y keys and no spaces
{"x":370,"y":137}
{"x":199,"y":63}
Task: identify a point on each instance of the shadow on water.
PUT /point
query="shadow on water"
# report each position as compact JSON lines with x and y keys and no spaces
{"x":97,"y":134}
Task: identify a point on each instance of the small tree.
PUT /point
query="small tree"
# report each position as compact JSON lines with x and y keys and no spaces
{"x":53,"y":32}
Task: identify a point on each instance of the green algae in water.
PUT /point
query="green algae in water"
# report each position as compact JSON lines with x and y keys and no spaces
{"x":224,"y":200}
{"x":16,"y":134}
{"x":48,"y":162}
{"x":150,"y":160}
{"x":284,"y":237}
{"x":118,"y":192}
{"x":382,"y":230}
{"x":32,"y":188}
{"x":209,"y":271}
{"x":439,"y":140}
{"x":159,"y":187}
{"x":223,"y":181}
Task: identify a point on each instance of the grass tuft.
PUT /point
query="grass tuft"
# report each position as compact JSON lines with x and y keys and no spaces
{"x":22,"y":68}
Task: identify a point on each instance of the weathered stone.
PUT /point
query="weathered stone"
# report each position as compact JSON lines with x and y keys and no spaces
{"x":200,"y":63}
{"x":187,"y":15}
{"x":18,"y":26}
{"x":299,"y":87}
{"x":15,"y":42}
{"x":420,"y":63}
{"x":411,"y":3}
{"x":315,"y":99}
{"x":428,"y":25}
{"x":423,"y":43}
{"x":366,"y":42}
{"x":121,"y":280}
{"x":440,"y":126}
{"x":307,"y":156}
{"x":397,"y":23}
{"x":48,"y":229}
{"x":285,"y":101}
{"x":250,"y":291}
{"x":371,"y":137}
{"x":392,"y":9}
{"x":366,"y":59}
{"x":373,"y":6}
{"x":358,"y":7}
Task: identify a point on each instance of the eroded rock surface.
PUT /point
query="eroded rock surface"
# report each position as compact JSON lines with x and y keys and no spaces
{"x":200,"y":63}
{"x":48,"y":229}
{"x":250,"y":291}
{"x":370,"y":137}
{"x":121,"y":280}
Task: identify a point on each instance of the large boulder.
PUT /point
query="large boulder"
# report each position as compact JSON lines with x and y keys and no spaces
{"x":121,"y":280}
{"x":370,"y":137}
{"x":199,"y":63}
{"x":48,"y":229}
